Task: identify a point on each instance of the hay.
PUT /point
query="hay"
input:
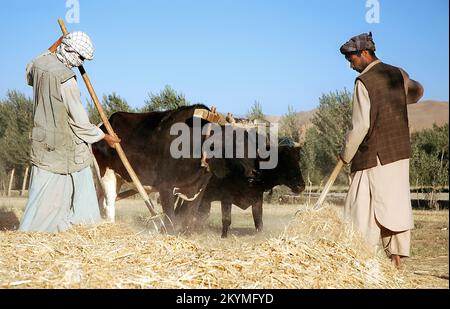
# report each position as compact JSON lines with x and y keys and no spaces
{"x":317,"y":250}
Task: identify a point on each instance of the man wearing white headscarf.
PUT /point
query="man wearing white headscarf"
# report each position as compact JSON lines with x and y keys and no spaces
{"x":62,"y":191}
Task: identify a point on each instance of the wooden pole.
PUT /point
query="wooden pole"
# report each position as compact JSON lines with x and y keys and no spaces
{"x":203,"y":161}
{"x":110,"y":130}
{"x":11,"y":178}
{"x":24,"y":183}
{"x":55,"y":45}
{"x":329,"y":183}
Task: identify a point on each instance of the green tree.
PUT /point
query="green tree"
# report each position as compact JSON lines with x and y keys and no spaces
{"x":3,"y":164}
{"x":325,"y":139}
{"x":15,"y":126}
{"x":167,"y":99}
{"x":289,"y":125}
{"x":310,"y":151}
{"x":111,"y":103}
{"x":430,"y":157}
{"x":255,"y":112}
{"x":16,"y":123}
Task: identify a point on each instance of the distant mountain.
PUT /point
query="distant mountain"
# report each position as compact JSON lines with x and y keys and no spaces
{"x":425,"y":113}
{"x":421,"y":115}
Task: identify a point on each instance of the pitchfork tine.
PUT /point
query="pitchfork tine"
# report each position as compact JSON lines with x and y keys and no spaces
{"x":161,"y":220}
{"x":170,"y":221}
{"x":154,"y":225}
{"x":151,"y":208}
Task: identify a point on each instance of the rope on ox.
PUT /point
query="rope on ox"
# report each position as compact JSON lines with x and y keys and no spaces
{"x":185,"y":197}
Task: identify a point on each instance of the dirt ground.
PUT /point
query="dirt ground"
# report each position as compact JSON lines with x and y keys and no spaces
{"x":430,"y":244}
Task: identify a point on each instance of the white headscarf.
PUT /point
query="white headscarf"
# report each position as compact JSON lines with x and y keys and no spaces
{"x":74,"y":45}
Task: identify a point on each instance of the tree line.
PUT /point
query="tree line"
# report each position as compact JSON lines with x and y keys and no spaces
{"x":323,"y":141}
{"x":16,"y":114}
{"x":320,"y":143}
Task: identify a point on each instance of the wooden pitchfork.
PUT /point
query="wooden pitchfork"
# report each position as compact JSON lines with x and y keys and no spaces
{"x":329,"y":184}
{"x":110,"y":130}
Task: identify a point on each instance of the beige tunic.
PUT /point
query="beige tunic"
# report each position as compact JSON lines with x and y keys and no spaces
{"x":58,"y":201}
{"x":78,"y":117}
{"x":379,"y":195}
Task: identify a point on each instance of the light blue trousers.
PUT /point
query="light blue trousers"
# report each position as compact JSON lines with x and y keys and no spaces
{"x":56,"y":201}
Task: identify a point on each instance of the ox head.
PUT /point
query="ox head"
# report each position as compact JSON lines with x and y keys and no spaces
{"x":288,"y":171}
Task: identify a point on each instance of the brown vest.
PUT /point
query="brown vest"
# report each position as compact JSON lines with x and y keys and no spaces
{"x":388,"y":135}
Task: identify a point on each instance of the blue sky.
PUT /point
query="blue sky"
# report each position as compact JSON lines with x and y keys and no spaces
{"x":229,"y":53}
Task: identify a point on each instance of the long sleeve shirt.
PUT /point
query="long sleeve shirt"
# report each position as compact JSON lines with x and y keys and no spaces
{"x":78,"y":118}
{"x":360,"y":119}
{"x":361,"y":115}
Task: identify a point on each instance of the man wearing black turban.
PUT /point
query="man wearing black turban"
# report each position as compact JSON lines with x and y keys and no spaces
{"x":378,"y":146}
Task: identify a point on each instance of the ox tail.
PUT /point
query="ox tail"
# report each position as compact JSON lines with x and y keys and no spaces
{"x":97,"y":177}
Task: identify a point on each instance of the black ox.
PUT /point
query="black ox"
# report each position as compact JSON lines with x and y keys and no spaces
{"x":232,"y":188}
{"x":245,"y":192}
{"x":146,"y":140}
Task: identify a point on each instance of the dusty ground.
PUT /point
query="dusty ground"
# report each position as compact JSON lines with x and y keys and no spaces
{"x":428,"y":265}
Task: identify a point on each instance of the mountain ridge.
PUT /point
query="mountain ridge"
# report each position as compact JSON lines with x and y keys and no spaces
{"x":421,"y":115}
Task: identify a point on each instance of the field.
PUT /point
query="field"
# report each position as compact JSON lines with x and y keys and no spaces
{"x":307,"y":250}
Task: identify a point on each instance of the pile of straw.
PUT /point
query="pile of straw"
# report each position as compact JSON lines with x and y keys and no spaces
{"x":317,"y":250}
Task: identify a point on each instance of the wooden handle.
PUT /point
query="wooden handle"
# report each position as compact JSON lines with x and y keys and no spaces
{"x":329,"y":183}
{"x":110,"y":130}
{"x":55,"y":45}
{"x":62,"y":26}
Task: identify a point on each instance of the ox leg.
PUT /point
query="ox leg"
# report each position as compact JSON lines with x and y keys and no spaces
{"x":190,"y":217}
{"x":226,"y":218}
{"x":99,"y":190}
{"x":167,"y":202}
{"x":257,"y":212}
{"x":101,"y":200}
{"x":110,"y":185}
{"x":183,"y":215}
{"x":180,"y":209}
{"x":203,"y":211}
